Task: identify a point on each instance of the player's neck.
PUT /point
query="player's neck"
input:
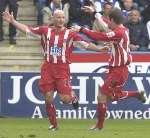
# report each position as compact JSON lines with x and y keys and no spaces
{"x":58,"y":29}
{"x":121,"y":25}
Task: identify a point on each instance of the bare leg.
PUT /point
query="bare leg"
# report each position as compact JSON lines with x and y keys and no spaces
{"x":70,"y":99}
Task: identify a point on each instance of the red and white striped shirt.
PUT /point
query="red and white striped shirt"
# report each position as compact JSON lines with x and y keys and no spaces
{"x":57,"y":46}
{"x":120,"y":54}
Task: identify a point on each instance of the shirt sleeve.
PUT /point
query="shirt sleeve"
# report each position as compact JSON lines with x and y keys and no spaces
{"x":103,"y":36}
{"x":35,"y":31}
{"x":77,"y":37}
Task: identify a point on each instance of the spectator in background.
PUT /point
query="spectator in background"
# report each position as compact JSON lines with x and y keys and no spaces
{"x":107,"y":7}
{"x":40,"y":4}
{"x":51,"y":6}
{"x":142,"y":4}
{"x":146,"y":13}
{"x":98,"y":25}
{"x":137,"y":30}
{"x":102,"y":26}
{"x":101,"y":19}
{"x":13,"y":7}
{"x":127,"y":6}
{"x":77,"y":15}
{"x":100,"y":3}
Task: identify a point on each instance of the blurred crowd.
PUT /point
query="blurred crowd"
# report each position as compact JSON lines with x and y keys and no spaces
{"x":136,"y":13}
{"x":13,"y":8}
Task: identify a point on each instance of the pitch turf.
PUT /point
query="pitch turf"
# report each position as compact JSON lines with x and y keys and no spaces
{"x":38,"y":128}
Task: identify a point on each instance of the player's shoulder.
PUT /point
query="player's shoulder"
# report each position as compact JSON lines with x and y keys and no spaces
{"x":45,"y":27}
{"x":120,"y":30}
{"x":40,"y":28}
{"x":123,"y":28}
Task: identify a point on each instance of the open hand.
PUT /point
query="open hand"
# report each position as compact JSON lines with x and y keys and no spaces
{"x":8,"y":17}
{"x":88,"y":9}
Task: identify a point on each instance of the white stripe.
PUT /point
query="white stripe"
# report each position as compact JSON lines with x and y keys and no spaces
{"x":148,"y":28}
{"x":125,"y":56}
{"x":66,"y":34}
{"x":119,"y":56}
{"x":128,"y":49}
{"x":70,"y":43}
{"x":44,"y":40}
{"x":113,"y":54}
{"x":55,"y":43}
{"x":130,"y":57}
{"x":63,"y":53}
{"x":48,"y":41}
{"x":64,"y":46}
{"x":124,"y":52}
{"x":124,"y":96}
{"x":128,"y":41}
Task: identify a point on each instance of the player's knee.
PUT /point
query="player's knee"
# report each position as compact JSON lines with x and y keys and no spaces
{"x":48,"y":98}
{"x":65,"y":99}
{"x":98,"y":98}
{"x":102,"y":98}
{"x":101,"y":95}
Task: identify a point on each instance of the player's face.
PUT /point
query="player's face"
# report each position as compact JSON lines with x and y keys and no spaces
{"x":59,"y":19}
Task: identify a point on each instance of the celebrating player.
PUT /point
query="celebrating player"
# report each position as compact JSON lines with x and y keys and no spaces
{"x":120,"y":58}
{"x":57,"y":43}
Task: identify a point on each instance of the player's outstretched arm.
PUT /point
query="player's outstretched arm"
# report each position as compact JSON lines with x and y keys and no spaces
{"x":97,"y":35}
{"x":10,"y":19}
{"x":91,"y":46}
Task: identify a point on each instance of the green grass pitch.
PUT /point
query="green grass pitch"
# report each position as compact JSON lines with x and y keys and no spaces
{"x":38,"y":128}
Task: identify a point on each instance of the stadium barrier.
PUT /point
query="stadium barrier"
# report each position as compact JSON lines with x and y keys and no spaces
{"x":20,"y":96}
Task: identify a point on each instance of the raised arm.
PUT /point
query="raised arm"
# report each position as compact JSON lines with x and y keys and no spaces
{"x":10,"y":19}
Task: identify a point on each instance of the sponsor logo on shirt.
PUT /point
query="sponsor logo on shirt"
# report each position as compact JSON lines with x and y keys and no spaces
{"x":55,"y":51}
